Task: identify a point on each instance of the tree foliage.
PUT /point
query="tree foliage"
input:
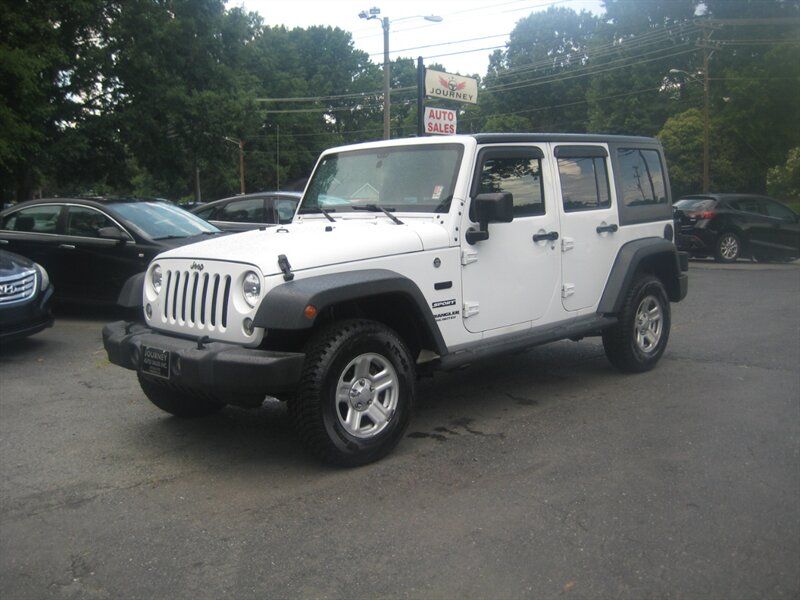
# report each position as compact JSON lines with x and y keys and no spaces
{"x":152,"y":97}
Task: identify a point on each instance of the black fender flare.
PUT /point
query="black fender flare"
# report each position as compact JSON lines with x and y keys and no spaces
{"x":283,"y":306}
{"x":630,"y":258}
{"x":130,"y":296}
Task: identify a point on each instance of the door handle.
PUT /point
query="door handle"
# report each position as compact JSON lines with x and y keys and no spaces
{"x":607,"y":228}
{"x":540,"y":237}
{"x":3,"y":242}
{"x":67,"y":246}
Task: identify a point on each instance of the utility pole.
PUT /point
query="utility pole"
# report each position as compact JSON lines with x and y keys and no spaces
{"x":420,"y":97}
{"x":706,"y":117}
{"x":278,"y":158}
{"x":239,"y":143}
{"x":386,"y":78}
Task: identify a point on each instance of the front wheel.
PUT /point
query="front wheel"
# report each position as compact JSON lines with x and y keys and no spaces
{"x":356,"y":393}
{"x":635,"y":344}
{"x":729,"y":248}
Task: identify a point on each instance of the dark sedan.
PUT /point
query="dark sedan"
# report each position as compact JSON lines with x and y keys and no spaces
{"x":25,"y":297}
{"x":250,"y":211}
{"x":731,"y":226}
{"x":91,"y":247}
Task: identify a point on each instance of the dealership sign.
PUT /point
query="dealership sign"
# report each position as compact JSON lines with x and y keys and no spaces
{"x":451,"y":87}
{"x":440,"y":121}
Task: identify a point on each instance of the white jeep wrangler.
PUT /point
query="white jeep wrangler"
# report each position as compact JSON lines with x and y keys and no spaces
{"x":404,"y":256}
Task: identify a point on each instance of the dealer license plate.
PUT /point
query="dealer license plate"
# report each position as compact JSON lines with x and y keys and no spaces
{"x":155,"y":362}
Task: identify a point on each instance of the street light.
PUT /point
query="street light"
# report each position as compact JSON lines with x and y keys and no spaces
{"x":706,"y":125}
{"x":374,"y":13}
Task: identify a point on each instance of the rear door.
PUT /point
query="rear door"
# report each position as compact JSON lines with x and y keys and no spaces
{"x":588,"y":223}
{"x":33,"y":232}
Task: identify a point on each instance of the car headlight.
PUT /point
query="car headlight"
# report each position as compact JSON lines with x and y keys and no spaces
{"x":251,"y":288}
{"x":45,"y":277}
{"x":155,"y":278}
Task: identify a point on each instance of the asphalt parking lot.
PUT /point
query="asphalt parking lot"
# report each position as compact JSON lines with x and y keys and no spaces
{"x":545,"y":474}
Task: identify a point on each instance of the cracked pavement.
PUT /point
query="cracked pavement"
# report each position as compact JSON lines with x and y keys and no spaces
{"x":544,"y":474}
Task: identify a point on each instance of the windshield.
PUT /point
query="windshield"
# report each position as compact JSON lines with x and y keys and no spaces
{"x":403,"y":179}
{"x":159,"y":220}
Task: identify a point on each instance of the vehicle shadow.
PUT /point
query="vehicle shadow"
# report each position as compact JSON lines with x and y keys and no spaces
{"x":469,"y":402}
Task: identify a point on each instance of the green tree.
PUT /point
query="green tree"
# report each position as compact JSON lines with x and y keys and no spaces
{"x":783,"y":181}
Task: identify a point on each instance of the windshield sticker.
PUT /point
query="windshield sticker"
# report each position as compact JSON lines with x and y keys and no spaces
{"x":437,"y":192}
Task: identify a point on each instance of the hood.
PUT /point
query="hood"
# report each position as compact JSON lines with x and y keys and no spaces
{"x":12,"y":264}
{"x":317,"y":243}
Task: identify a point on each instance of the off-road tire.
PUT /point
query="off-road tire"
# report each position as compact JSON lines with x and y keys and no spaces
{"x":178,"y":401}
{"x":313,"y":408}
{"x":719,"y":252}
{"x":619,"y":341}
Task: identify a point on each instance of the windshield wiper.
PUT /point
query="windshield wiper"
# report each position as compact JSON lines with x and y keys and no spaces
{"x":376,"y":208}
{"x":170,"y":237}
{"x":319,"y":209}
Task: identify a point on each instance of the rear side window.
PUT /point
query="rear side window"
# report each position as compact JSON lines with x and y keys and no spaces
{"x":206,"y":212}
{"x":584,"y":183}
{"x":35,"y":219}
{"x":242,"y":211}
{"x":284,"y":209}
{"x":692,"y":204}
{"x":519,"y":175}
{"x":641,"y":177}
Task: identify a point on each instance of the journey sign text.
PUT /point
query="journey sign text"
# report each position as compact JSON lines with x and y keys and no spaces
{"x":451,"y":87}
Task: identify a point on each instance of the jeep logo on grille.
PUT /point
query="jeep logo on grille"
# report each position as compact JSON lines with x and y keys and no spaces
{"x":196,"y":266}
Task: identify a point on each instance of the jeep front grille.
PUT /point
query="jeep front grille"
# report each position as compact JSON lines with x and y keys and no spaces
{"x":202,"y":298}
{"x":197,"y":300}
{"x":17,"y":288}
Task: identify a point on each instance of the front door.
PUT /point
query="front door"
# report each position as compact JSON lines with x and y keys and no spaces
{"x":588,"y":224}
{"x":510,"y":279}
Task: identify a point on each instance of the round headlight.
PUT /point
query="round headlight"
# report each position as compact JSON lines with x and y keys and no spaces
{"x":251,"y":288}
{"x":155,"y":278}
{"x":44,"y":276}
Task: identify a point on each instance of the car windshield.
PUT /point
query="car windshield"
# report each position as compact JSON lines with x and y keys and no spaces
{"x":159,"y":220}
{"x":403,"y":179}
{"x":695,"y":204}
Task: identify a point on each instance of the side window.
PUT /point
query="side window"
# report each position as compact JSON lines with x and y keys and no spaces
{"x":284,"y":209}
{"x":242,"y":211}
{"x":641,"y":176}
{"x":778,"y":211}
{"x":206,"y":212}
{"x":747,"y":205}
{"x":36,"y":219}
{"x":519,"y":175}
{"x":86,"y":222}
{"x":584,"y":183}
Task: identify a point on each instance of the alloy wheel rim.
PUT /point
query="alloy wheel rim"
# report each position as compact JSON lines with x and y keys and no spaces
{"x":729,"y":247}
{"x":649,"y":324}
{"x":367,"y":393}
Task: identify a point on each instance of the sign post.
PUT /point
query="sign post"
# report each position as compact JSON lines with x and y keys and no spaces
{"x":420,"y":97}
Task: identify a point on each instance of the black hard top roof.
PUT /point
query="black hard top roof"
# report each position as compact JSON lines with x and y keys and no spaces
{"x":499,"y":138}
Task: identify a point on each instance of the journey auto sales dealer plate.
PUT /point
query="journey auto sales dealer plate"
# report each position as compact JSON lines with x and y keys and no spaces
{"x":155,"y":362}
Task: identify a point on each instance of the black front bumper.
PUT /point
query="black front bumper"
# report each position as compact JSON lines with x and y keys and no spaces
{"x":21,"y":320}
{"x":218,"y":368}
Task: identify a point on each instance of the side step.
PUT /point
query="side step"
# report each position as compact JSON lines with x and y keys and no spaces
{"x":520,"y":340}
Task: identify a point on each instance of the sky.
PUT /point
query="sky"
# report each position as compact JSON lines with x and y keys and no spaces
{"x":462,"y":20}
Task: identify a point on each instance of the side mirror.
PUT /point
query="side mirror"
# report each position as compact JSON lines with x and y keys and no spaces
{"x":112,"y":233}
{"x":488,"y":208}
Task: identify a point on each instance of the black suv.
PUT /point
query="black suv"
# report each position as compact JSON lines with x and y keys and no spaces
{"x":730,"y":226}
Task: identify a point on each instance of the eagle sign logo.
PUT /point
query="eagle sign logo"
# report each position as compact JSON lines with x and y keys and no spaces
{"x":451,"y":84}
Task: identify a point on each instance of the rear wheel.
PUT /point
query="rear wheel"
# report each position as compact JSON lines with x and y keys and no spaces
{"x":728,"y":248}
{"x":635,"y":344}
{"x":356,"y":393}
{"x":177,"y":401}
